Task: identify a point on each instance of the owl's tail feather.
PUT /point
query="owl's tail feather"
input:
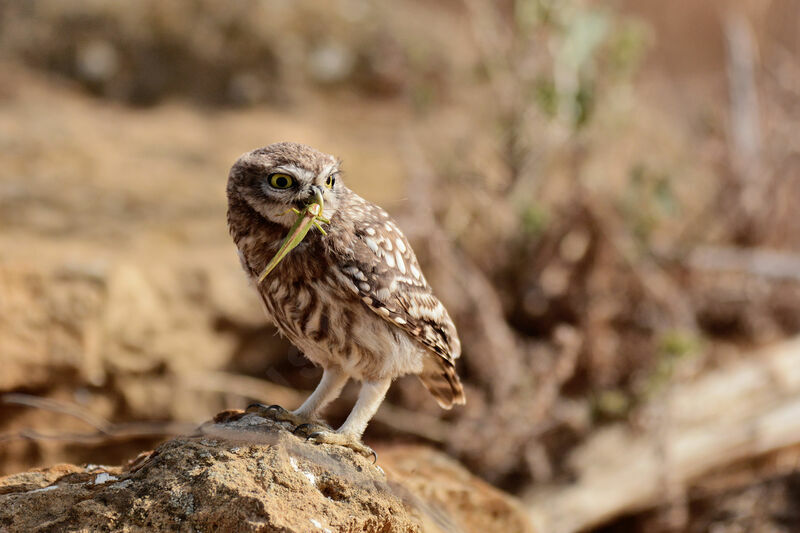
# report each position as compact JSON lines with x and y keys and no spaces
{"x":440,"y":378}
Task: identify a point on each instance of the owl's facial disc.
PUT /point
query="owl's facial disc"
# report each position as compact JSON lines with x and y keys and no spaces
{"x":280,"y":177}
{"x":280,"y":188}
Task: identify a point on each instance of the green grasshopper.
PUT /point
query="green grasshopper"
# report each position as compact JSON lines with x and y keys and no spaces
{"x":309,"y":217}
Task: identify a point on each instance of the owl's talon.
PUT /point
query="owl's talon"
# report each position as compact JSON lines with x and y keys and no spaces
{"x":341,"y":439}
{"x":266,"y":411}
{"x":309,"y":428}
{"x":302,"y":428}
{"x":275,"y":412}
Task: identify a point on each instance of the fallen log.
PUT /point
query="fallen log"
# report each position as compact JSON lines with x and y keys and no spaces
{"x":745,"y":410}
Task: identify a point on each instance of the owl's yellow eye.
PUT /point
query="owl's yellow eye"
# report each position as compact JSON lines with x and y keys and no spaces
{"x":281,"y":181}
{"x":330,"y":181}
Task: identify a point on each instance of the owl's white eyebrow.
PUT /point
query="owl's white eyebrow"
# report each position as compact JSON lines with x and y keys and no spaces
{"x":291,"y":169}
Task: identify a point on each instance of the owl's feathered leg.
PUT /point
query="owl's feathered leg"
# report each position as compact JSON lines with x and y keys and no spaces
{"x":369,"y":399}
{"x":349,"y":435}
{"x":329,"y":388}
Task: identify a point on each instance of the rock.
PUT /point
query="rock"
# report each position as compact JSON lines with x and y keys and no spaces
{"x":244,"y":473}
{"x":451,"y":498}
{"x":83,"y":323}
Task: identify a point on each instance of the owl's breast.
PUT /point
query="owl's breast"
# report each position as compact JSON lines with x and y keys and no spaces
{"x":307,"y":310}
{"x":330,"y":326}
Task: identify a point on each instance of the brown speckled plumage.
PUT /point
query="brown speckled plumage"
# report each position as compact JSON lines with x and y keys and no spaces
{"x":354,"y":301}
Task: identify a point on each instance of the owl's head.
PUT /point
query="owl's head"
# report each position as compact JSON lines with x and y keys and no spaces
{"x":278,"y":177}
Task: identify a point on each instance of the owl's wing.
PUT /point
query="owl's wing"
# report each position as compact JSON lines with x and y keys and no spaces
{"x":383,"y":270}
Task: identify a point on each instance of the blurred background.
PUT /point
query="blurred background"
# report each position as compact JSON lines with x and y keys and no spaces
{"x":604,"y":195}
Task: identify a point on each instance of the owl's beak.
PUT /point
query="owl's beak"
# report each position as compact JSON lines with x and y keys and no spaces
{"x":316,"y":194}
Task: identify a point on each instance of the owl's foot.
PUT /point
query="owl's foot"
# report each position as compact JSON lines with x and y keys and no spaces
{"x":277,"y":413}
{"x":343,"y":439}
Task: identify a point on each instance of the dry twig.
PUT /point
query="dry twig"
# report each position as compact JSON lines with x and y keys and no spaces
{"x":104,"y":431}
{"x":769,"y":264}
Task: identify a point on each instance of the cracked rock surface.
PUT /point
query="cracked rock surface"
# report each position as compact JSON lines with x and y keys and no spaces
{"x":245,"y":473}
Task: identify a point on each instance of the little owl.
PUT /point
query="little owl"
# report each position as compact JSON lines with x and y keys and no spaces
{"x":353,"y":301}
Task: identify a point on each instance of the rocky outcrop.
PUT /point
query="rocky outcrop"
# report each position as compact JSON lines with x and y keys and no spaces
{"x":244,"y":473}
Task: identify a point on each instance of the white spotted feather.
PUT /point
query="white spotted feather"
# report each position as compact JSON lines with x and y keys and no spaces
{"x":386,"y":272}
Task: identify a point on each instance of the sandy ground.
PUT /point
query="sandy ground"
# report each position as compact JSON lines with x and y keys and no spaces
{"x":77,"y":169}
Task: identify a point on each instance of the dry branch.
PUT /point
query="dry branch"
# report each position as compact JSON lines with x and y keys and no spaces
{"x":745,"y":131}
{"x":748,"y":409}
{"x":56,"y":406}
{"x":104,"y":431}
{"x":769,"y":264}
